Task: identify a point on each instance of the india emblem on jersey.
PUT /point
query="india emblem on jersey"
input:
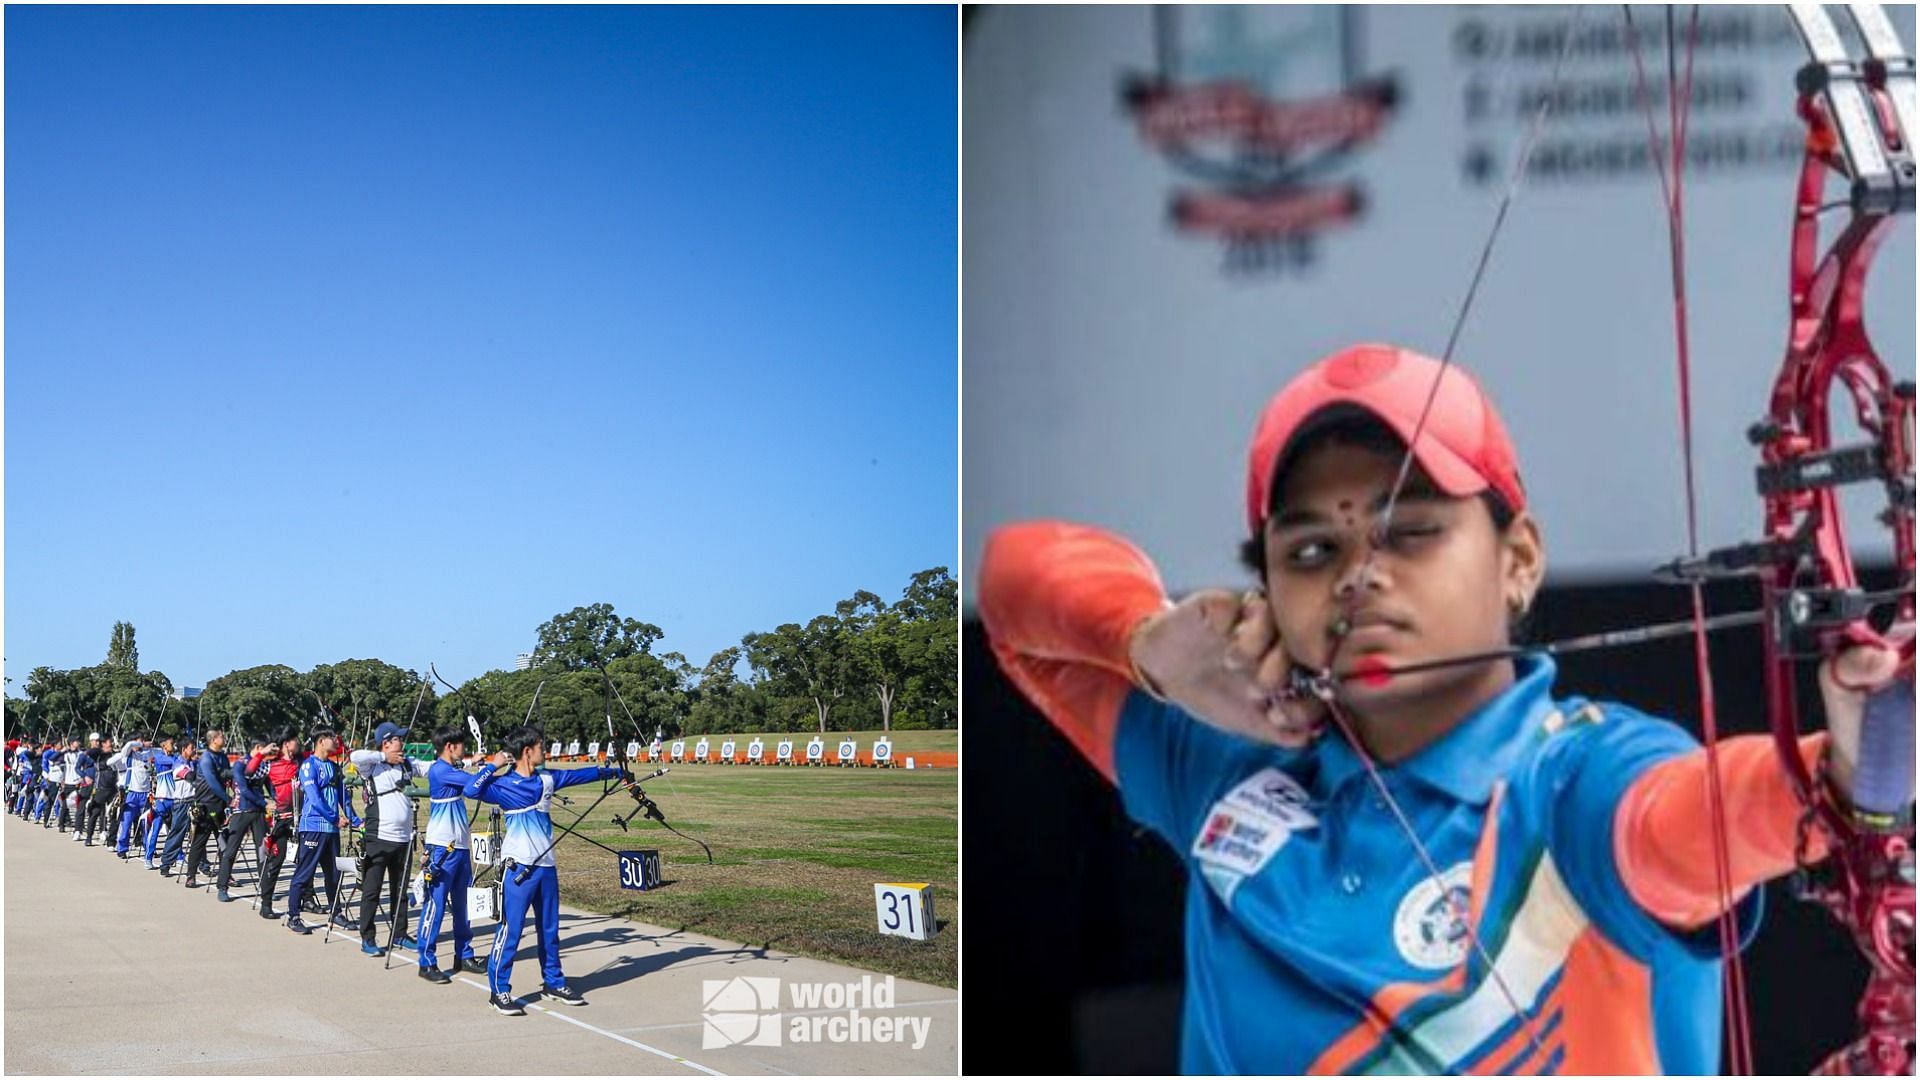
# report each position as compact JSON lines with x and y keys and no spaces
{"x":1430,"y":927}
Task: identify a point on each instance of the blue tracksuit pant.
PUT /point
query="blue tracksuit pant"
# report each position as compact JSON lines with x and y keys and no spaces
{"x":318,"y":851}
{"x":179,"y":824}
{"x":162,"y":812}
{"x":542,"y":894}
{"x":135,"y":805}
{"x":449,"y":894}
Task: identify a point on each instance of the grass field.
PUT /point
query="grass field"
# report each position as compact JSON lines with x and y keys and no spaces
{"x":796,"y":854}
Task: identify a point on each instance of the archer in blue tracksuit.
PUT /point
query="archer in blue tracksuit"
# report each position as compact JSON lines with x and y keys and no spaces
{"x":137,"y":789}
{"x":449,"y":864}
{"x":161,"y":760}
{"x":324,"y":811}
{"x":180,"y":820}
{"x":51,"y":771}
{"x":524,"y":794}
{"x":27,"y":764}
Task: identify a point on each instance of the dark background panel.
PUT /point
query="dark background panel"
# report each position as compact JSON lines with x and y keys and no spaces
{"x":1074,"y":913}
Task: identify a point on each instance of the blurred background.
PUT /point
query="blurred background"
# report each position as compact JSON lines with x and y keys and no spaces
{"x":1138,"y":284}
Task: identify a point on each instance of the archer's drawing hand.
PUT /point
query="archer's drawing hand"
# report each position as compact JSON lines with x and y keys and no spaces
{"x":1852,"y":678}
{"x":1219,"y":656}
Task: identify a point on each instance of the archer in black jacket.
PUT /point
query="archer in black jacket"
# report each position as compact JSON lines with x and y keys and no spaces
{"x":106,"y":786}
{"x":214,"y":794}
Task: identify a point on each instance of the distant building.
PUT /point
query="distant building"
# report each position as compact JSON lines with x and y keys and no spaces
{"x":523,"y":661}
{"x":187,"y":693}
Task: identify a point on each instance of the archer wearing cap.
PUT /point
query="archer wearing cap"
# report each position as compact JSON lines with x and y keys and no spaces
{"x":388,"y":774}
{"x":1405,"y":852}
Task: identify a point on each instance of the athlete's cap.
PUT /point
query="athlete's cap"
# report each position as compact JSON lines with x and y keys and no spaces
{"x":388,"y":731}
{"x":1463,"y":445}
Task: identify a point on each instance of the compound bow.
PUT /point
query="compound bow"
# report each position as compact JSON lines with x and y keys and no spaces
{"x":1860,"y":116}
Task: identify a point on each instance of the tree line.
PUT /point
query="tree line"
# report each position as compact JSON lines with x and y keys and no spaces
{"x":868,"y":664}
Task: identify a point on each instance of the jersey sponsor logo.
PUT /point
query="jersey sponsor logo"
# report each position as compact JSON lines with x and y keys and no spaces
{"x":1430,"y":926}
{"x":1248,"y":826}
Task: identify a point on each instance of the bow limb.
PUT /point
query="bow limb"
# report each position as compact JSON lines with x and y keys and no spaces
{"x":473,"y":721}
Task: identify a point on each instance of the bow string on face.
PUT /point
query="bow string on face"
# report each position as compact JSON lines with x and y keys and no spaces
{"x":1859,"y":117}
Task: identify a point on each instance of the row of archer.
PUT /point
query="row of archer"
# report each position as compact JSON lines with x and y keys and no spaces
{"x":294,"y":802}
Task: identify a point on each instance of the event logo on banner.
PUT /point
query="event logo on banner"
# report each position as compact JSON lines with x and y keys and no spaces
{"x":1261,"y":110}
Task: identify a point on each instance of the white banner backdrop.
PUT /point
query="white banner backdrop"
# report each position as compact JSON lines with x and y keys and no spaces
{"x":1115,"y":357}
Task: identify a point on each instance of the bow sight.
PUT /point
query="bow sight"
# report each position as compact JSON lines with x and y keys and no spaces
{"x":647,"y":807}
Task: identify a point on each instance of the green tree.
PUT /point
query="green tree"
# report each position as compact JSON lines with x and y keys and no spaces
{"x":591,"y":637}
{"x":874,"y":636}
{"x":20,"y":719}
{"x":718,"y":696}
{"x":811,"y":662}
{"x":363,"y":694}
{"x":121,"y":651}
{"x":930,"y":647}
{"x":256,"y":703}
{"x":106,"y":698}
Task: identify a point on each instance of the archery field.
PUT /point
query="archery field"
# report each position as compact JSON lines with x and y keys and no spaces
{"x":796,"y":853}
{"x":112,"y":969}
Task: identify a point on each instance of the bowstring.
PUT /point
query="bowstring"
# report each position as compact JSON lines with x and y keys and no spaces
{"x":1378,"y":535}
{"x":494,"y":812}
{"x":666,"y":775}
{"x":1669,"y":160}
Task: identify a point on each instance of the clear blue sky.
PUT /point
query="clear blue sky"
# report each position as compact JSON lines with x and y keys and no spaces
{"x":392,"y":332}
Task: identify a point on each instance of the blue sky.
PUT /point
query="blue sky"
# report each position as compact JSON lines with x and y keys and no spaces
{"x":392,"y":332}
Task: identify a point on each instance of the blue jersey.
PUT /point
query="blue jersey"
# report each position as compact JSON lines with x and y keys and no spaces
{"x":524,"y":800}
{"x":215,"y":774}
{"x":1308,"y":908}
{"x":163,"y":765}
{"x":252,"y":773}
{"x":323,"y":796}
{"x":447,"y":824}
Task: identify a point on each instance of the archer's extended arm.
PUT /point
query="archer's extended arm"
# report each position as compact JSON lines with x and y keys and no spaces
{"x":1060,"y":603}
{"x":570,"y":777}
{"x":1666,"y":858}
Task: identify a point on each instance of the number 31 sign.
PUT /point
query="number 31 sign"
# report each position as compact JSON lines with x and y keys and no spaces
{"x":905,"y":909}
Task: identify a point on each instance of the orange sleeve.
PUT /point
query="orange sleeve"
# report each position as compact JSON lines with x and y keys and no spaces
{"x":1060,"y":603}
{"x":1665,"y":854}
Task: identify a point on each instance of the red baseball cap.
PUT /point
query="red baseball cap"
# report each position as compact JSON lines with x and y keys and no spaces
{"x":1463,"y":446}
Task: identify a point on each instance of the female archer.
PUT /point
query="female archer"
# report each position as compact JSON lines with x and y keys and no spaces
{"x":1398,"y":865}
